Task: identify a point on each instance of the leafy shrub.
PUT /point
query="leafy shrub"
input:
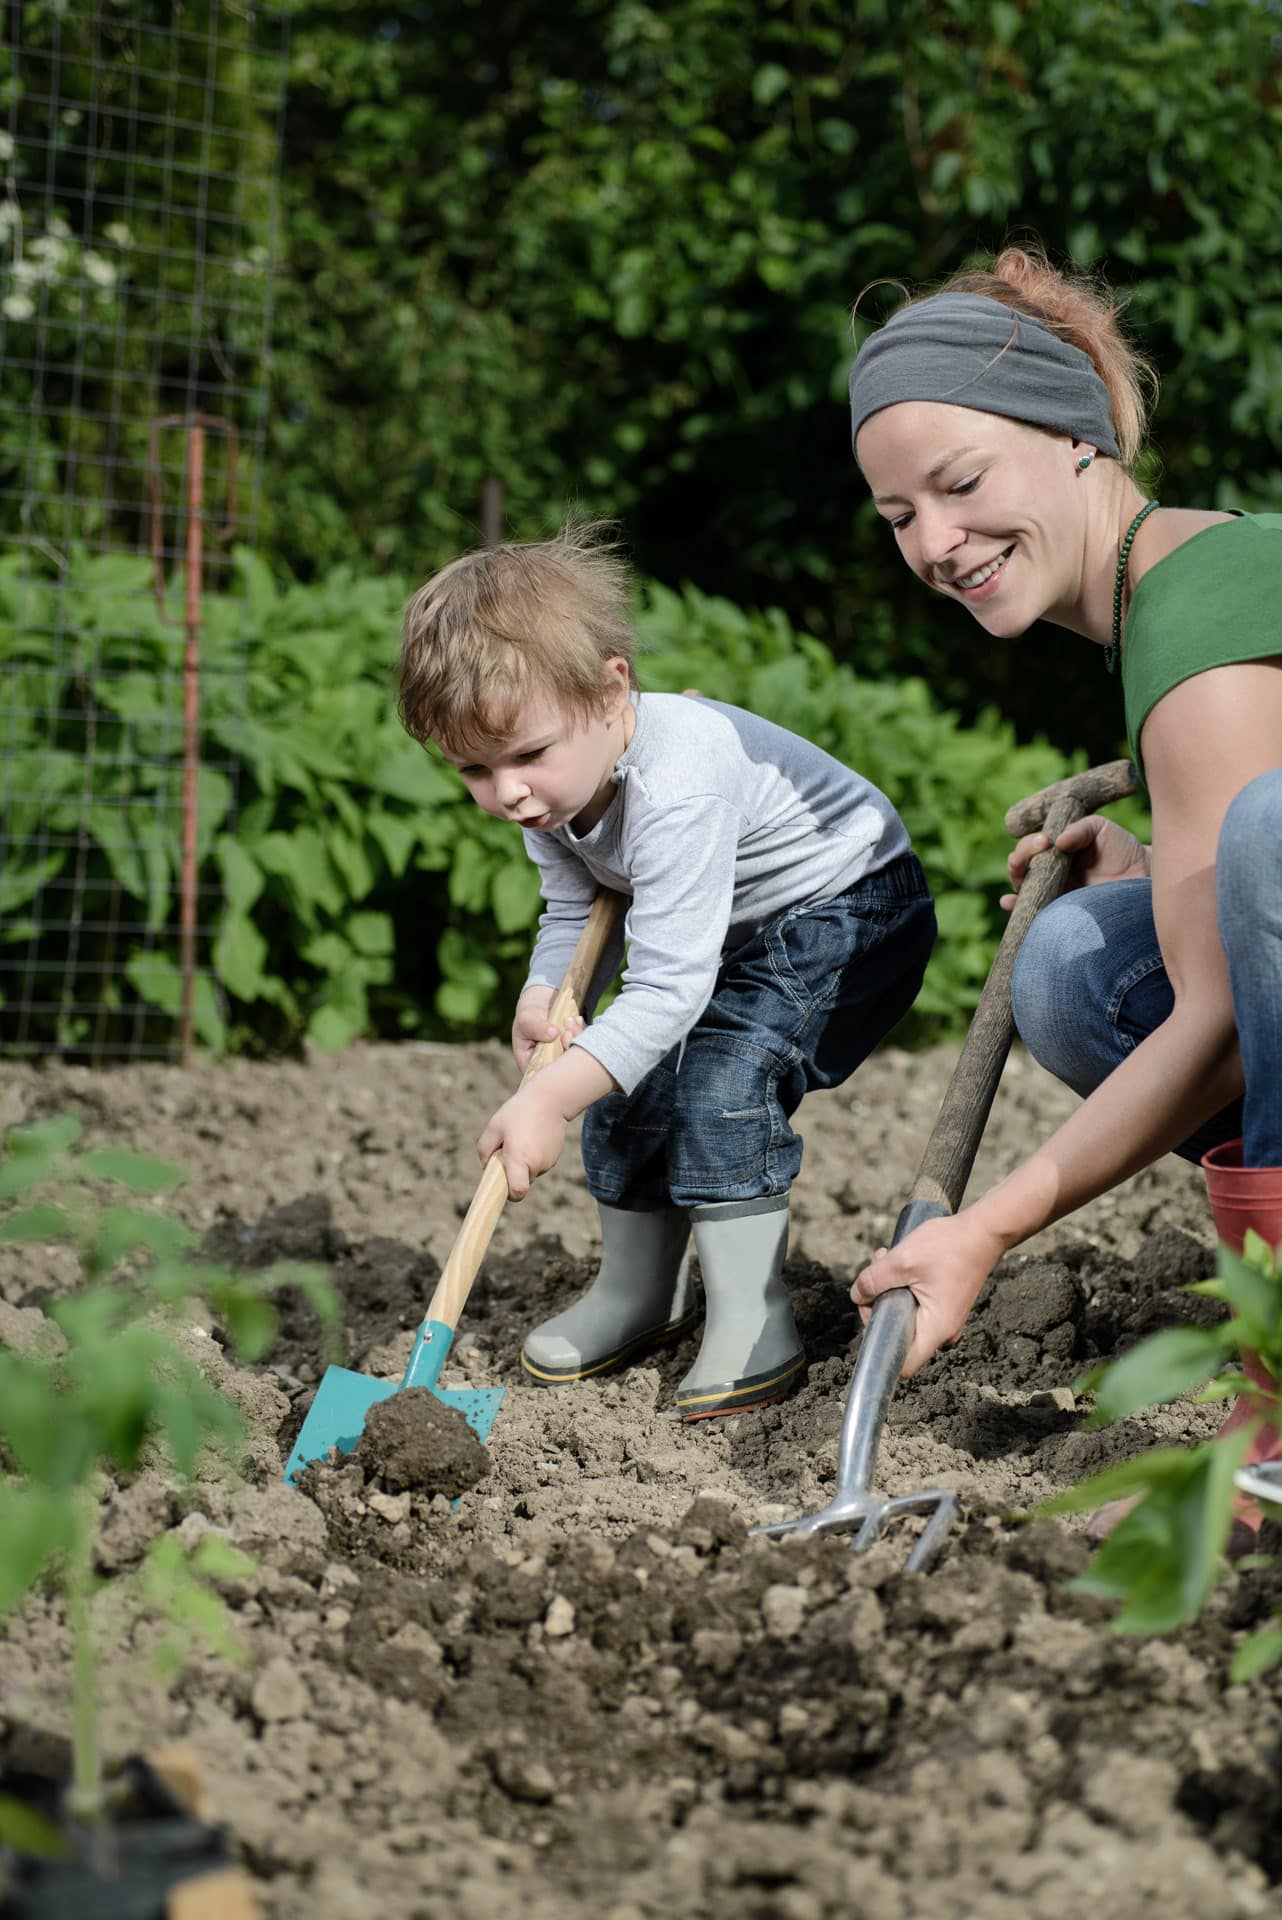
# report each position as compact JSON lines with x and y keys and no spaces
{"x":362,"y":892}
{"x":113,"y":1382}
{"x":623,"y":261}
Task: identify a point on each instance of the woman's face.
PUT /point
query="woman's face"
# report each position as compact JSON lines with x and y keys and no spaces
{"x":987,"y":511}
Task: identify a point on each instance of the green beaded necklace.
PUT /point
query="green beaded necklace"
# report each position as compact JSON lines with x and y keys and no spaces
{"x":1124,"y":554}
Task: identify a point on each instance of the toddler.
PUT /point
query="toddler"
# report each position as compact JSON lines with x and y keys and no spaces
{"x":779,"y":926}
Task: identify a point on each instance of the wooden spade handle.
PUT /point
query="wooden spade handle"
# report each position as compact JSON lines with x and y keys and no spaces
{"x":950,"y":1151}
{"x":1097,"y":787}
{"x":474,"y":1235}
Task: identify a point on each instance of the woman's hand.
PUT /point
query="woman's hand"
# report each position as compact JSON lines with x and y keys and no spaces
{"x":944,"y":1263}
{"x":1100,"y":849}
{"x":531,"y":1026}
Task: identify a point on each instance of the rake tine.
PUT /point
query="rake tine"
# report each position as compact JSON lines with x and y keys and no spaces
{"x":937,"y":1191}
{"x":931,"y":1538}
{"x":881,"y":1355}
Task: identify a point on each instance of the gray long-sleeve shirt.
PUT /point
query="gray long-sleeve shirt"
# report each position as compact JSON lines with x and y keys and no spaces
{"x":722,"y":821}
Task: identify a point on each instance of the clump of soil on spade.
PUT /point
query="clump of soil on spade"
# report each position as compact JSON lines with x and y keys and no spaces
{"x":415,"y":1443}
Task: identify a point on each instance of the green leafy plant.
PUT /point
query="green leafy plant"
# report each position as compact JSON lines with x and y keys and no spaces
{"x":362,"y":892}
{"x":112,"y":1382}
{"x":622,"y":269}
{"x":635,"y":235}
{"x":1163,"y":1558}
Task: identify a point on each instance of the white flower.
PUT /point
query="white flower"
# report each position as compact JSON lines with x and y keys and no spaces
{"x":100,"y":271}
{"x":18,"y":306}
{"x":49,"y":251}
{"x":118,"y":234}
{"x":6,"y":145}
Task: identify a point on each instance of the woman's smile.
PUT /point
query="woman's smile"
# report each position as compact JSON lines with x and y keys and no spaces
{"x":983,"y":581}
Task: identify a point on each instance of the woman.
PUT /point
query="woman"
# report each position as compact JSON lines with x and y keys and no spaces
{"x":997,"y":424}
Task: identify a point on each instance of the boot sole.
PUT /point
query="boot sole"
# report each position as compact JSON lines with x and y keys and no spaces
{"x":617,"y":1357}
{"x":742,"y":1396}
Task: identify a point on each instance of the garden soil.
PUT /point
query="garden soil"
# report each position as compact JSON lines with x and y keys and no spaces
{"x":585,"y":1693}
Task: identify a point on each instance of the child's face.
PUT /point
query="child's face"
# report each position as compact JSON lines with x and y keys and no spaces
{"x":555,"y":768}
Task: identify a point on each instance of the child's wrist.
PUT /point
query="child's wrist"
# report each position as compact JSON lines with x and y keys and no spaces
{"x":570,"y":1084}
{"x":548,"y":1099}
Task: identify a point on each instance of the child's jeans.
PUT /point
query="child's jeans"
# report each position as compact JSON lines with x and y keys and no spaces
{"x":797,"y":1006}
{"x":1089,"y":983}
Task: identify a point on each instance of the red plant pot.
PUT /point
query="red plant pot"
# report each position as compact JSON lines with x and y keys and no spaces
{"x":1243,"y":1197}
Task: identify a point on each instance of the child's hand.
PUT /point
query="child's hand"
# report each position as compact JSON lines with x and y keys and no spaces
{"x":531,"y":1027}
{"x":529,"y":1132}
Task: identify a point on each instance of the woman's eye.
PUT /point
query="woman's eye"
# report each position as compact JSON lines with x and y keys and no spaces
{"x":471,"y":773}
{"x":535,"y":753}
{"x":967,"y":486}
{"x":904,"y":520}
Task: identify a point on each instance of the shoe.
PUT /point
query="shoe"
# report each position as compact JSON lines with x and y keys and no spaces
{"x":751,"y":1352}
{"x":642,"y":1297}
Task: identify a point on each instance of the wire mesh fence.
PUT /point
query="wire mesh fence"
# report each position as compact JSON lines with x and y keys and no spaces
{"x":139,"y":155}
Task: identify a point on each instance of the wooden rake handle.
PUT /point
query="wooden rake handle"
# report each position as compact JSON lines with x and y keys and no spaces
{"x":950,"y":1151}
{"x":476,"y":1232}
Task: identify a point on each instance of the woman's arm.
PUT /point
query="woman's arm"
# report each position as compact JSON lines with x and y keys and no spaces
{"x":1202,"y":744}
{"x":1175,"y":1079}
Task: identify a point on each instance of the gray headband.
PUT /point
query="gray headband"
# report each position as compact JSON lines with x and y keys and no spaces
{"x":970,"y":351}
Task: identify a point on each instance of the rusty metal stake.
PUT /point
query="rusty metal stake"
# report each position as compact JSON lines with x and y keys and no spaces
{"x":195,"y":425}
{"x":492,"y":511}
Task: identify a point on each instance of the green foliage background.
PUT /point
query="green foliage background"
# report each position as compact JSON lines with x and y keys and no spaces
{"x":608,"y":250}
{"x":603,"y":253}
{"x":136,"y":231}
{"x":363,"y":891}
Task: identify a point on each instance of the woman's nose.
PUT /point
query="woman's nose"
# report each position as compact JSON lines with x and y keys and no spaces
{"x":938,"y":535}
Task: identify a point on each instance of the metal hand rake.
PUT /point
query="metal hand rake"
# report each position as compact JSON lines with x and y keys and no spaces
{"x":1262,"y":1482}
{"x":939,"y":1186}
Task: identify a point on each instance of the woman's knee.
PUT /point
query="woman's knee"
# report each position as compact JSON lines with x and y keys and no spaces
{"x":1248,"y":871}
{"x":1052,"y":975}
{"x":1077,"y":962}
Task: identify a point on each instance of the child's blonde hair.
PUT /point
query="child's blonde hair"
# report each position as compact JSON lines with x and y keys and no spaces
{"x":504,"y":625}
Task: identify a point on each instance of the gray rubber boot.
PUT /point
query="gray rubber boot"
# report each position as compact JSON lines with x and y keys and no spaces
{"x":751,"y":1352}
{"x":642,"y":1296}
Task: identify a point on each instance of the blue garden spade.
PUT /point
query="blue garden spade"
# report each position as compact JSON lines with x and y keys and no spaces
{"x":336,"y":1418}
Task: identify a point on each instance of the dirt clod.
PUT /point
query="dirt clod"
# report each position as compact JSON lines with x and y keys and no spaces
{"x":414,"y":1441}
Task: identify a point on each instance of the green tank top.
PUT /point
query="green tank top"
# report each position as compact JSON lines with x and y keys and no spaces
{"x":1213,"y":602}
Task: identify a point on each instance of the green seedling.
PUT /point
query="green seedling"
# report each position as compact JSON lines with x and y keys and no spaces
{"x":112,"y":1382}
{"x":1163,"y":1558}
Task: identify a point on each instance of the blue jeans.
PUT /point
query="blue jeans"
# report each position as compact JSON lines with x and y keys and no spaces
{"x":1090,"y":984}
{"x":799,"y":1005}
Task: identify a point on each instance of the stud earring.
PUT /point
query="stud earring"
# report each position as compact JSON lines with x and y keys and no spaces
{"x":1085,"y":462}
